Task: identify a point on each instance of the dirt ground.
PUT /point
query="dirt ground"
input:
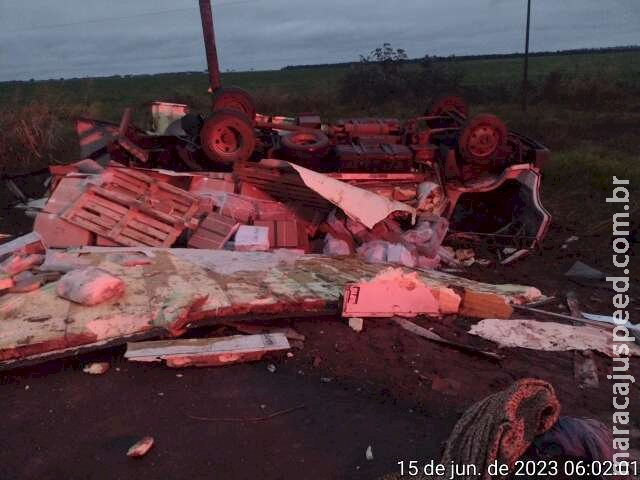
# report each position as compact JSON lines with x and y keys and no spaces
{"x":382,"y":387}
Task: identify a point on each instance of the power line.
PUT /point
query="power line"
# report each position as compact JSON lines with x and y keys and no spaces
{"x":124,"y":17}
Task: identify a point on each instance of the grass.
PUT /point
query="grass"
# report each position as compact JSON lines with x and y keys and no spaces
{"x":592,"y":123}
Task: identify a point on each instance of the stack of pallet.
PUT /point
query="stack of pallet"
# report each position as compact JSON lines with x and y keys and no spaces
{"x":129,"y":207}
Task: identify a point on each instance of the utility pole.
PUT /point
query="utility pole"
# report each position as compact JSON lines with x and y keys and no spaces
{"x":206,"y":14}
{"x":525,"y":78}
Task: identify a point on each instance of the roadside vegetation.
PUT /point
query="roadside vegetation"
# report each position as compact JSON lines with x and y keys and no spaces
{"x":585,"y":106}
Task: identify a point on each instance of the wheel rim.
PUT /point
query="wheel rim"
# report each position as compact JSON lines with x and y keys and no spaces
{"x":226,"y":140}
{"x":483,"y":141}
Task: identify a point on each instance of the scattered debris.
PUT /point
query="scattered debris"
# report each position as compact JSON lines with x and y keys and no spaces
{"x":585,"y":369}
{"x":252,"y":239}
{"x":25,"y":282}
{"x":62,"y":261}
{"x":356,"y":324}
{"x":18,"y":263}
{"x":634,"y":328}
{"x":357,"y":203}
{"x":90,"y":286}
{"x":140,"y":448}
{"x":518,"y":254}
{"x":541,"y":302}
{"x":335,"y":246}
{"x":96,"y":368}
{"x":582,"y":271}
{"x":547,"y":336}
{"x":429,"y":335}
{"x":206,"y":352}
{"x":569,"y":240}
{"x":572,"y":319}
{"x":213,"y":286}
{"x":250,"y":329}
{"x":369,"y":453}
{"x":430,"y":197}
{"x":465,"y":256}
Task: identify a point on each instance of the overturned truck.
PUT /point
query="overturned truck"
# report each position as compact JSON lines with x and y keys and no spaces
{"x":481,"y":177}
{"x":235,"y":214}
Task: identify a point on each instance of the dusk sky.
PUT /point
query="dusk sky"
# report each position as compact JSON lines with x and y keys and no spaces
{"x":75,"y":38}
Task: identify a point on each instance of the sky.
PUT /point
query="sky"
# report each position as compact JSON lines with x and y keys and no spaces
{"x":44,"y":39}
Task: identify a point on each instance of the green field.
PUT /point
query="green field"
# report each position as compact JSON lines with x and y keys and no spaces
{"x":591,"y":122}
{"x":106,"y":97}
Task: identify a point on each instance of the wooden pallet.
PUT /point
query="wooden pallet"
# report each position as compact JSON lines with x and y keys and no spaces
{"x":213,"y":232}
{"x":152,"y":193}
{"x":123,"y":220}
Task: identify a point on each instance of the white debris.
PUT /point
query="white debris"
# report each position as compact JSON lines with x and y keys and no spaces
{"x":140,"y":448}
{"x":357,"y":203}
{"x":466,"y":256}
{"x":369,"y":453}
{"x":356,"y":324}
{"x":420,"y":234}
{"x":549,"y":336}
{"x":271,"y":367}
{"x":430,"y":196}
{"x":89,"y":286}
{"x":96,"y":368}
{"x":515,"y":256}
{"x":373,"y":252}
{"x":252,"y":239}
{"x":334,"y":247}
{"x":398,"y":253}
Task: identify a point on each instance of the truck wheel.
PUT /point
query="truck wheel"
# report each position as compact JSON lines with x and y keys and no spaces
{"x":306,"y":144}
{"x":234,"y":98}
{"x":446,"y":104}
{"x":481,"y":137}
{"x":227,"y":136}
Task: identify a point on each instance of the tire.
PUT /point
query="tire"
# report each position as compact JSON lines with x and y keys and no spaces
{"x":234,"y":98}
{"x":448,"y":103}
{"x":227,"y":136}
{"x":306,"y":144}
{"x":481,"y":137}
